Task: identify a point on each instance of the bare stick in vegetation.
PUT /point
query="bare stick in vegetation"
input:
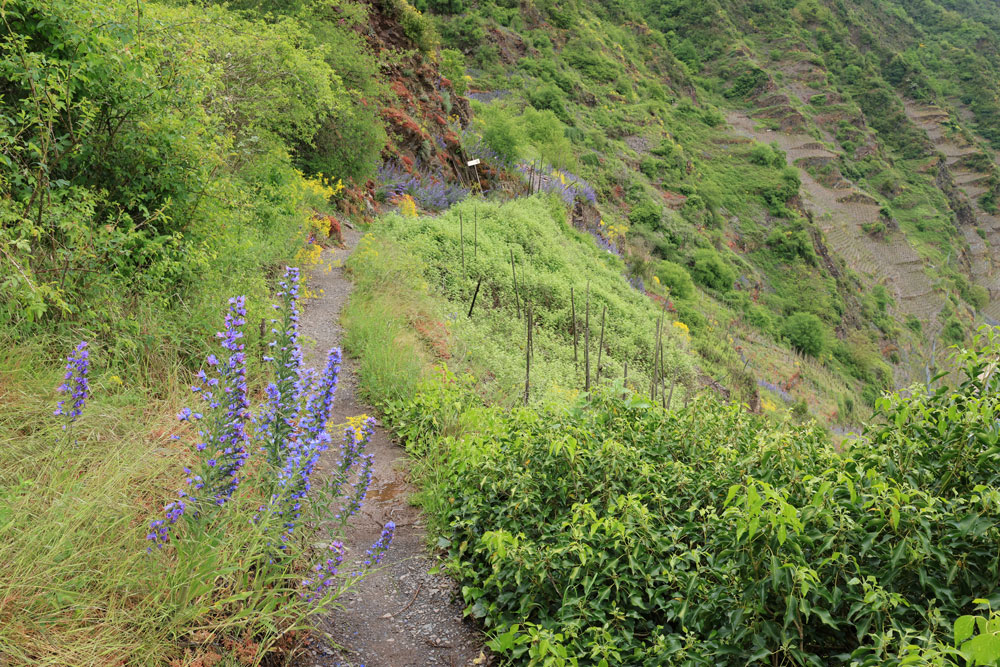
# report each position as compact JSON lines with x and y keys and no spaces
{"x":527,"y":356}
{"x":652,"y":372}
{"x":513,"y":273}
{"x":586,"y":344}
{"x":625,"y":382}
{"x":461,"y":239}
{"x":600,"y":346}
{"x":663,"y":380}
{"x":572,"y":304}
{"x":474,"y":295}
{"x":670,"y":396}
{"x":475,"y":234}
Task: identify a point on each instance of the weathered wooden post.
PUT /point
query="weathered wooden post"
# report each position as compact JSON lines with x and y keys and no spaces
{"x":461,"y":239}
{"x":474,"y":295}
{"x":600,"y":346}
{"x":513,"y":273}
{"x":572,"y":303}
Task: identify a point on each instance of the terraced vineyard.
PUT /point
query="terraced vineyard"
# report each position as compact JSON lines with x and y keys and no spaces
{"x":841,"y":212}
{"x":981,"y":229}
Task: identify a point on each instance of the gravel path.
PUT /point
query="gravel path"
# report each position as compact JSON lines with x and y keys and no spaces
{"x":400,"y":616}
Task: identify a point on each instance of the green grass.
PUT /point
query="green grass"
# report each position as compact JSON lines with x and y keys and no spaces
{"x":78,"y":586}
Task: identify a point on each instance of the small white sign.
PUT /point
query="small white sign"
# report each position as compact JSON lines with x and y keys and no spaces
{"x":472,"y":163}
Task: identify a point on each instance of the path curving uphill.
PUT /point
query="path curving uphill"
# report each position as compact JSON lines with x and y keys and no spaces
{"x":399,"y":616}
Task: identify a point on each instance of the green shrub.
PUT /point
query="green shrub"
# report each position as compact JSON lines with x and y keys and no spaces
{"x":710,"y":270}
{"x":466,"y":32}
{"x":589,"y":59}
{"x":502,"y":133}
{"x":716,"y":510}
{"x":453,"y":68}
{"x":419,"y":28}
{"x":761,"y":155}
{"x":953,"y":332}
{"x":646,"y":214}
{"x":675,"y":278}
{"x":806,"y":333}
{"x":549,"y":98}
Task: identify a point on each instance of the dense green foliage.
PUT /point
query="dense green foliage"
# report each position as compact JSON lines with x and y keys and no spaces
{"x":611,"y":532}
{"x":150,"y":159}
{"x":806,"y":334}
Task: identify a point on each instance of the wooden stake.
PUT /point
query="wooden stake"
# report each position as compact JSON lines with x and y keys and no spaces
{"x":513,"y":273}
{"x":663,"y":385}
{"x":475,"y":234}
{"x":461,"y":239}
{"x":652,"y":372}
{"x":474,"y":295}
{"x":527,"y":357}
{"x":600,"y":347}
{"x":586,"y":344}
{"x":670,"y":396}
{"x":572,"y":303}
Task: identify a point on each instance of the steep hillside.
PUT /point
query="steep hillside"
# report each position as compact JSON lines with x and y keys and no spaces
{"x":790,"y":158}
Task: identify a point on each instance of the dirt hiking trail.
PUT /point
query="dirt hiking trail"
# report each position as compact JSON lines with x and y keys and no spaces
{"x":399,"y":616}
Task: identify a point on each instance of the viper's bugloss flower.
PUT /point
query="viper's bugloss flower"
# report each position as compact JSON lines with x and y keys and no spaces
{"x":285,"y":394}
{"x":320,"y":403}
{"x":374,"y":555}
{"x":323,"y":577}
{"x":222,"y":441}
{"x":75,"y":383}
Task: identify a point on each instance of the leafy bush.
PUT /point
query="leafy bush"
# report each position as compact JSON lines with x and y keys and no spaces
{"x":416,"y":26}
{"x":710,"y":270}
{"x":671,"y":520}
{"x":806,"y":333}
{"x":166,"y":169}
{"x":676,"y":278}
{"x":502,"y":133}
{"x":646,"y":214}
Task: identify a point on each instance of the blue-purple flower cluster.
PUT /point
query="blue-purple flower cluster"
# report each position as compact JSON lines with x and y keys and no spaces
{"x":281,"y":410}
{"x":75,"y":383}
{"x":352,"y":452}
{"x":374,"y":555}
{"x":324,"y":577}
{"x":431,"y":191}
{"x":293,"y":430}
{"x":487,"y":96}
{"x":785,"y":396}
{"x":638,"y":283}
{"x":570,"y":187}
{"x":222,"y":442}
{"x":303,"y":450}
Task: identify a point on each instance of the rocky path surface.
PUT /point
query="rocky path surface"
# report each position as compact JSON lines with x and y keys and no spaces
{"x":400,"y":615}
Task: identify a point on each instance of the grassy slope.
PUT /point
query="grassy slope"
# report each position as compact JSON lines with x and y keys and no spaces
{"x":411,"y":287}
